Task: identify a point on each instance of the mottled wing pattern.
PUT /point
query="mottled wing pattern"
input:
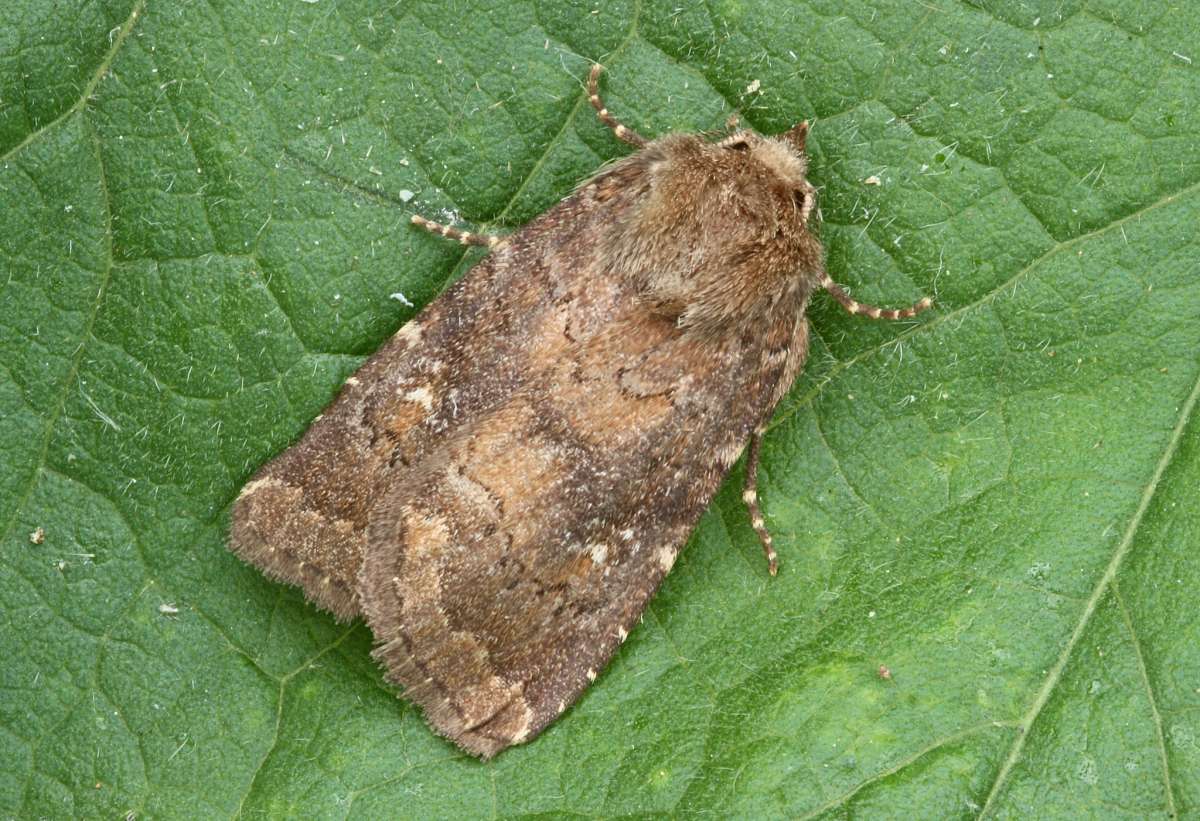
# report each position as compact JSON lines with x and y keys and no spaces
{"x":302,"y":518}
{"x":504,"y":485}
{"x":566,"y":504}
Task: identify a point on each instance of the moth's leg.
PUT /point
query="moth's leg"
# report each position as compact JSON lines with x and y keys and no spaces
{"x":873,"y":311}
{"x":750,"y":497}
{"x":626,"y":134}
{"x":465,"y":237}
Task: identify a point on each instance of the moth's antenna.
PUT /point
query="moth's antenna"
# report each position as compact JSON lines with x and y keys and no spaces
{"x":873,"y":311}
{"x":465,"y":237}
{"x":625,"y":134}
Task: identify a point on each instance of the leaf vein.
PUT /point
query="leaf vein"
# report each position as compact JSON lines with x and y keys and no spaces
{"x":1136,"y":641}
{"x":88,"y":89}
{"x":1103,"y":585}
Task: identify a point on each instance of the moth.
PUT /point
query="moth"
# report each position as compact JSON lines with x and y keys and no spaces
{"x":501,"y":488}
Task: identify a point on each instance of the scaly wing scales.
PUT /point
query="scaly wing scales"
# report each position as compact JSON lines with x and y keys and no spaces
{"x":567,"y":504}
{"x":298,"y":519}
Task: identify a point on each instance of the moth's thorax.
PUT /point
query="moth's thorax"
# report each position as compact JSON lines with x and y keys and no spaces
{"x":717,"y":232}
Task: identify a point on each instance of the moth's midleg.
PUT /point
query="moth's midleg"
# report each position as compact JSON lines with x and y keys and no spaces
{"x":872,"y":311}
{"x":465,"y":237}
{"x":750,"y":497}
{"x":623,"y":132}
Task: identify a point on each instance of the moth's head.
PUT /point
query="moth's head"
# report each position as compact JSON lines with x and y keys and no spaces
{"x":744,"y":193}
{"x":777,"y":167}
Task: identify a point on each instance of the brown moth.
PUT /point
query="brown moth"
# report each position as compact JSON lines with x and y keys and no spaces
{"x":501,"y":488}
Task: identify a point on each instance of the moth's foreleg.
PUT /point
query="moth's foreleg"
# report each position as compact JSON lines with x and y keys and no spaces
{"x":872,"y":311}
{"x":750,"y":497}
{"x":465,"y":237}
{"x":623,"y":132}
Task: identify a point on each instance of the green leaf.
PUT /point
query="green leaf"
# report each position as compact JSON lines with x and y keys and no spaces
{"x":203,"y":222}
